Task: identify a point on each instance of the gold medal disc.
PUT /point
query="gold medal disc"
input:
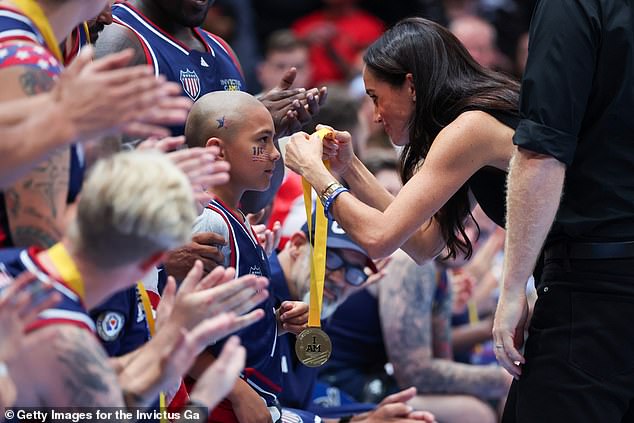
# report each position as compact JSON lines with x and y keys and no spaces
{"x":313,"y":347}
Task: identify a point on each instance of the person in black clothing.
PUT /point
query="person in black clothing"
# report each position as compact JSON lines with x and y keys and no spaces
{"x":454,"y":119}
{"x":576,"y":130}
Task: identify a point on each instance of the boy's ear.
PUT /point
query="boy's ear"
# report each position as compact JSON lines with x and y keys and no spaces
{"x":215,"y":141}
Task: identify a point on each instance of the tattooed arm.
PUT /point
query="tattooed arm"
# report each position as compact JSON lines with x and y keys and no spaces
{"x":406,"y":304}
{"x":72,"y":370}
{"x":36,"y":203}
{"x":114,"y":38}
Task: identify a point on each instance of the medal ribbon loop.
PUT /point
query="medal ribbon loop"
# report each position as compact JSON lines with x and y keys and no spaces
{"x":318,"y":245}
{"x":34,"y":12}
{"x":67,"y":269}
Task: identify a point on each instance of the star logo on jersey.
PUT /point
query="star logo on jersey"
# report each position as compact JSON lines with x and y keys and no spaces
{"x":109,"y":325}
{"x":191,"y":83}
{"x":22,"y":55}
{"x":203,"y":63}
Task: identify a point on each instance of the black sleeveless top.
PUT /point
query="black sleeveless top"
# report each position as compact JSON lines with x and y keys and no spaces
{"x":488,"y":184}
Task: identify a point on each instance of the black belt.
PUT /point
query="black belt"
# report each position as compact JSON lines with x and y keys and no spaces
{"x":590,"y":250}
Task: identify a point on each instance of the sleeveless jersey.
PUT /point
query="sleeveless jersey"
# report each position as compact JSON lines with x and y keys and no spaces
{"x":21,"y":44}
{"x":199,"y":73}
{"x":70,"y":310}
{"x":121,"y":323}
{"x":81,"y":38}
{"x":262,"y":372}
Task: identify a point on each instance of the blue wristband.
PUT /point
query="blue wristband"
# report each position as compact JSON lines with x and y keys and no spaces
{"x":331,"y":199}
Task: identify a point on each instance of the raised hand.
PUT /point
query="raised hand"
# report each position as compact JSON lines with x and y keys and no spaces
{"x":291,"y":108}
{"x":221,"y":376}
{"x":104,"y":97}
{"x":200,"y":298}
{"x":20,"y":303}
{"x":338,"y":149}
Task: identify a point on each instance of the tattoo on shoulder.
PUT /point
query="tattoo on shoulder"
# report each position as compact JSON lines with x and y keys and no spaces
{"x":33,"y":235}
{"x":87,"y":377}
{"x":115,"y":38}
{"x":35,"y":81}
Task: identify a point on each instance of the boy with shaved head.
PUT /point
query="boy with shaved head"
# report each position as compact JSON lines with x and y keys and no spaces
{"x":242,"y":128}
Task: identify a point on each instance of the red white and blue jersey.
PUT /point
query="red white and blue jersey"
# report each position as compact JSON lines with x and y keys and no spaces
{"x":121,"y":324}
{"x":69,"y":311}
{"x":199,"y":73}
{"x":80,"y":39}
{"x":263,"y":370}
{"x":21,"y":44}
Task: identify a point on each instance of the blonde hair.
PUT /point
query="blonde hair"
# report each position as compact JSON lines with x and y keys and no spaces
{"x":132,"y":205}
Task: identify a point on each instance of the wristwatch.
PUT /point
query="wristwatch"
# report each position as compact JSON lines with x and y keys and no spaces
{"x":330,"y":189}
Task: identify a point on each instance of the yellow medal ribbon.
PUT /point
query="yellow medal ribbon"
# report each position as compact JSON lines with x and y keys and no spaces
{"x":66,"y":268}
{"x":318,"y":245}
{"x":147,"y":308}
{"x":84,"y":25}
{"x":34,"y":12}
{"x":151,"y":324}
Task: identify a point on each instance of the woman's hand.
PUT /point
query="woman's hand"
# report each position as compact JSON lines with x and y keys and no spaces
{"x":304,"y":153}
{"x":338,"y":149}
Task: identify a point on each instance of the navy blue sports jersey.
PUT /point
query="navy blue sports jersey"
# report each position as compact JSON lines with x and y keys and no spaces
{"x":121,"y":323}
{"x":70,"y":310}
{"x":356,"y":326}
{"x":80,"y":39}
{"x":199,"y":73}
{"x":298,"y":381}
{"x":243,"y":252}
{"x":21,"y":44}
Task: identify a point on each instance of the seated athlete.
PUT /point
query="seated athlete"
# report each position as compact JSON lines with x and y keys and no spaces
{"x":242,"y":128}
{"x":135,"y":207}
{"x":345,"y":275}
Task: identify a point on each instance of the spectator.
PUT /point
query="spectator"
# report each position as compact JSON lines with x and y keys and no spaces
{"x":284,"y":51}
{"x":336,"y":34}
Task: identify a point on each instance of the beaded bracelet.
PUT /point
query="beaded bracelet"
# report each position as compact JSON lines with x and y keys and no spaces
{"x":331,"y":199}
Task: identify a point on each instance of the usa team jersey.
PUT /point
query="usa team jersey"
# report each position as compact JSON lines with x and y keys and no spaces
{"x":70,"y":310}
{"x":262,"y":372}
{"x":21,"y":44}
{"x":199,"y":73}
{"x":121,"y":323}
{"x":80,"y":39}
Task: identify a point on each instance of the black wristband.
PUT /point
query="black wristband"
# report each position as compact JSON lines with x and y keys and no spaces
{"x":345,"y":419}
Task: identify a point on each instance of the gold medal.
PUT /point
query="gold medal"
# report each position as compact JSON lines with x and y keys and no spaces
{"x":313,"y":347}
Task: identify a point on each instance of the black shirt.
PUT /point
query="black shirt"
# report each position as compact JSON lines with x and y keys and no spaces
{"x":577,"y":105}
{"x":488,"y":184}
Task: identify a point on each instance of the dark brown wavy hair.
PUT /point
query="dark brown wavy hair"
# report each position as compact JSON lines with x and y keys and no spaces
{"x":448,"y":82}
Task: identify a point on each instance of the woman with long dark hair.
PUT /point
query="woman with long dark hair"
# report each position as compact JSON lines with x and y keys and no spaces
{"x":455,"y":120}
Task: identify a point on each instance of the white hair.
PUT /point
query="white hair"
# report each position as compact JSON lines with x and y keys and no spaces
{"x":132,"y":205}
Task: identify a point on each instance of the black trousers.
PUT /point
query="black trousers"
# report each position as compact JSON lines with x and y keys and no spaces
{"x":580,"y":347}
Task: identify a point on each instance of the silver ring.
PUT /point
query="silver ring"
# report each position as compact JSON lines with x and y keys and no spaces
{"x":499,"y":346}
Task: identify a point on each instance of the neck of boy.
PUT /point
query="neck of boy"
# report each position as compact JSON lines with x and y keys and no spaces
{"x":229,"y":195}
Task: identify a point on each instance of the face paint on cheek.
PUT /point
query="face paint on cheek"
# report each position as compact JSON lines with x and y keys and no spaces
{"x":259,"y":155}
